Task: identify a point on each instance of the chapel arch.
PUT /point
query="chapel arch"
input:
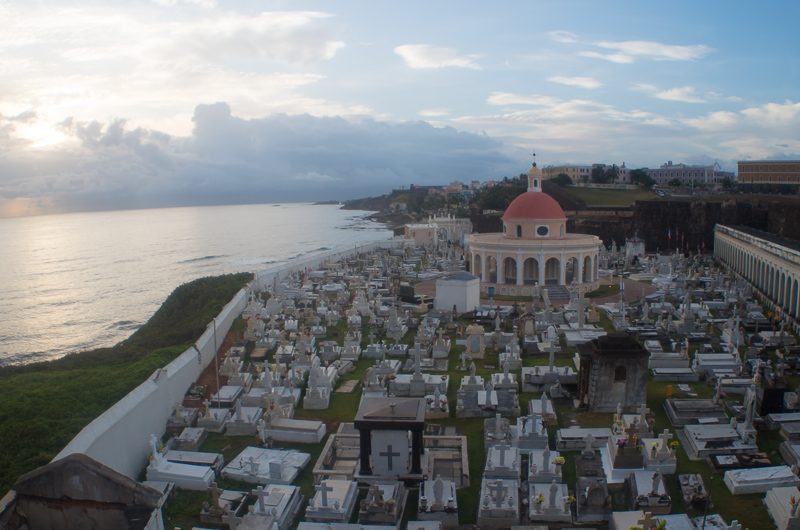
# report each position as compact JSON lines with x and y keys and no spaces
{"x":552,"y":271}
{"x":510,"y":270}
{"x":530,"y":271}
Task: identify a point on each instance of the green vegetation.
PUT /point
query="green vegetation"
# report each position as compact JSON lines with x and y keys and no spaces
{"x":610,"y":197}
{"x":44,"y":405}
{"x":643,"y":179}
{"x":500,"y":196}
{"x":562,"y":179}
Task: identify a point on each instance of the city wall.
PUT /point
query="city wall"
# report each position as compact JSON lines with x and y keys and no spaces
{"x":119,"y":437}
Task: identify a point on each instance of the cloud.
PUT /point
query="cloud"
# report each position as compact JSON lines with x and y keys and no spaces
{"x":584,"y":82}
{"x":171,"y":3}
{"x":613,"y":57}
{"x":434,"y":112}
{"x":228,"y":159}
{"x":685,"y":94}
{"x":629,"y":51}
{"x":425,"y":56}
{"x":562,"y":36}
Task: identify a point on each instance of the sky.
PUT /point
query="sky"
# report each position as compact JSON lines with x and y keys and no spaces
{"x":154,"y":103}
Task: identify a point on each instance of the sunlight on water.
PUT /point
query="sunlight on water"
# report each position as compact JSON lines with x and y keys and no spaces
{"x":86,"y":280}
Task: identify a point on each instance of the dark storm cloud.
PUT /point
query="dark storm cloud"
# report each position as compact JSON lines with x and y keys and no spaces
{"x":228,"y":159}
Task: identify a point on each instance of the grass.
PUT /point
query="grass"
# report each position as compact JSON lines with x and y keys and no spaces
{"x":610,"y":197}
{"x":44,"y":405}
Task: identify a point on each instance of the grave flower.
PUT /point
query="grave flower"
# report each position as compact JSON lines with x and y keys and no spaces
{"x":674,"y":445}
{"x":621,"y":442}
{"x":559,"y":460}
{"x":540,"y":498}
{"x":570,"y":499}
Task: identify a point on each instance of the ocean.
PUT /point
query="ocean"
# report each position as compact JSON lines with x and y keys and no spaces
{"x":87,"y":280}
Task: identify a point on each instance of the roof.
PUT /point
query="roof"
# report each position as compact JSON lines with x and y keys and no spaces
{"x":460,"y":277}
{"x":534,"y":205}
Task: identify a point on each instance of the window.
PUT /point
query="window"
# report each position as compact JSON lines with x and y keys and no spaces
{"x":542,"y":230}
{"x":519,"y":230}
{"x":620,"y":374}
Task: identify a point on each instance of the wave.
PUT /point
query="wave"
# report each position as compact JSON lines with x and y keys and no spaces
{"x":204,"y":258}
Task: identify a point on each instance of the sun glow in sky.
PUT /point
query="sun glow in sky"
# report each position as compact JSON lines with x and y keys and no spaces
{"x":111,"y":104}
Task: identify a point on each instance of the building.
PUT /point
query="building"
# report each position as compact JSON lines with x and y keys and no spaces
{"x":689,"y":174}
{"x":753,"y":174}
{"x":534,"y":247}
{"x":580,"y":174}
{"x":423,"y":234}
{"x":770,"y":263}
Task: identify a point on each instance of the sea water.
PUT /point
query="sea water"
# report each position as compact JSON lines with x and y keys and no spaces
{"x":81,"y":281}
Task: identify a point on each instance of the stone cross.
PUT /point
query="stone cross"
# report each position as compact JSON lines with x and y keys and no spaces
{"x":498,"y":490}
{"x":239,"y":410}
{"x":588,"y":448}
{"x":505,"y":372}
{"x":254,"y":465}
{"x":417,"y":353}
{"x":389,"y":455}
{"x":647,"y":522}
{"x":552,"y":355}
{"x":502,"y":448}
{"x":323,"y":490}
{"x":176,"y":410}
{"x":665,"y":437}
{"x":497,"y":429}
{"x":735,"y":525}
{"x":230,"y":520}
{"x":436,"y":397}
{"x":631,"y":434}
{"x":215,"y":508}
{"x":472,"y":372}
{"x":261,"y":504}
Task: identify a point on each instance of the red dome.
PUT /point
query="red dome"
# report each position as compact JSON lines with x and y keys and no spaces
{"x":534,"y":205}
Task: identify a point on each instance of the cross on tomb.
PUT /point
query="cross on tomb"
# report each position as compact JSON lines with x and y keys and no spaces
{"x":230,"y":519}
{"x":665,"y":437}
{"x":262,"y":495}
{"x":498,"y":490}
{"x":502,"y":448}
{"x":417,"y":353}
{"x":642,"y":412}
{"x":647,"y":522}
{"x":735,"y":525}
{"x":323,"y":490}
{"x":389,"y":454}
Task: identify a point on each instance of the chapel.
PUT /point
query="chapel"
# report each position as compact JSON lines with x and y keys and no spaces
{"x":534,"y":247}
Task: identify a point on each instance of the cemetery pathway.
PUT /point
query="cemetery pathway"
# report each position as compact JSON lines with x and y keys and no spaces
{"x":208,"y":377}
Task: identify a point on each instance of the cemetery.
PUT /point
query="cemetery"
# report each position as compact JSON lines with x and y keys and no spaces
{"x":343,"y":405}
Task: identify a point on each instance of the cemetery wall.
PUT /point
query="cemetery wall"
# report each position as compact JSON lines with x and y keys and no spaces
{"x":119,"y":437}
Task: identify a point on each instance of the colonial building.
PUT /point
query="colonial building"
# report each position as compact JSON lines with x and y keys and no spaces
{"x":534,"y":247}
{"x":688,"y":174}
{"x":781,"y":173}
{"x":584,"y":173}
{"x":770,"y":263}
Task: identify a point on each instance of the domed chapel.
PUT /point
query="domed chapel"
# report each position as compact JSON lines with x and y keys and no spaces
{"x":534,"y":247}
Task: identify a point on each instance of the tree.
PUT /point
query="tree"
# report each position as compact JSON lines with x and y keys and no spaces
{"x":599,"y":175}
{"x":727,"y":184}
{"x":674,"y":183}
{"x":562,"y":179}
{"x":641,"y":178}
{"x":612,"y":173}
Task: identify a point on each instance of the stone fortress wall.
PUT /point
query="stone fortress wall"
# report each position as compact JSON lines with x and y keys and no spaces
{"x":119,"y":437}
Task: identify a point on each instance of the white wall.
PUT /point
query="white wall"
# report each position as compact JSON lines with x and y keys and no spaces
{"x":119,"y":437}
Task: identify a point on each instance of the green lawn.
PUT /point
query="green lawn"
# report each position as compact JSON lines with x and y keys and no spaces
{"x":609,"y":197}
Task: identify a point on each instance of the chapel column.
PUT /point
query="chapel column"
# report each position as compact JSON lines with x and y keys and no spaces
{"x":541,"y":270}
{"x":520,"y":271}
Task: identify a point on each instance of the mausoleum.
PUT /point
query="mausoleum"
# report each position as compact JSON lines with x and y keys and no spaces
{"x":534,"y":247}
